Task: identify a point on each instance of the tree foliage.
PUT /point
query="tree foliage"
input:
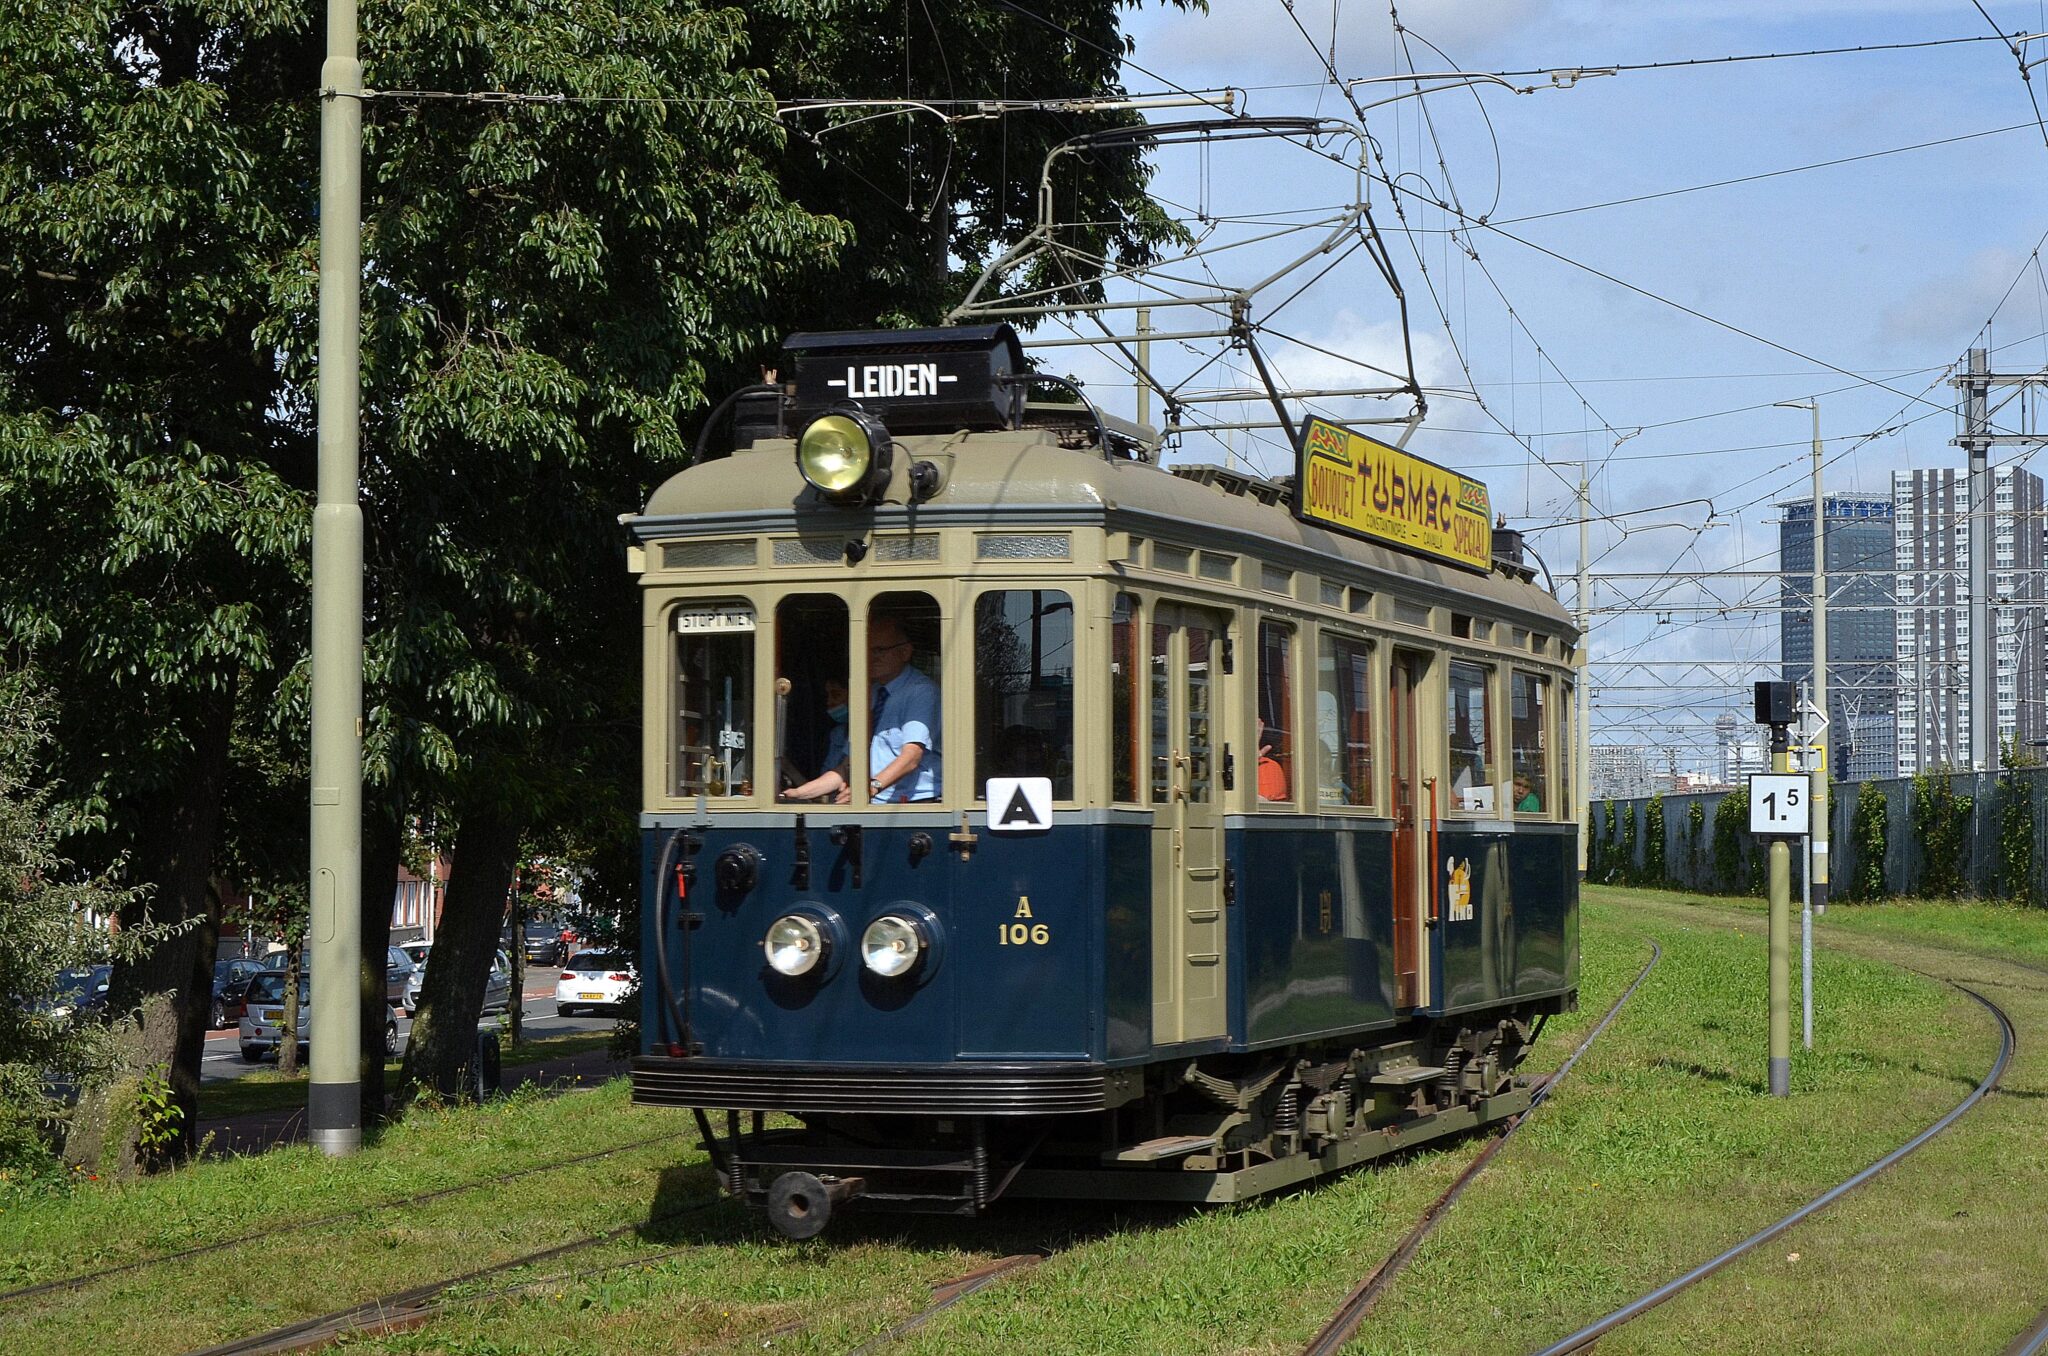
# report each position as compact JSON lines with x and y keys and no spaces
{"x":51,"y":920}
{"x":553,"y":292}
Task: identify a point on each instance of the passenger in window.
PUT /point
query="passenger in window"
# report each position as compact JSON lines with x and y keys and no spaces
{"x":1272,"y":774}
{"x":1526,"y":799}
{"x":903,"y":751}
{"x":832,"y":781}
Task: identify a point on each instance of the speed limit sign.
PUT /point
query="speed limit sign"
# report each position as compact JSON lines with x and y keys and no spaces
{"x":1780,"y":803}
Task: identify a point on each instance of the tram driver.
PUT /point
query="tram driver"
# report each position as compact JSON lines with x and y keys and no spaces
{"x":903,"y":727}
{"x":832,"y":782}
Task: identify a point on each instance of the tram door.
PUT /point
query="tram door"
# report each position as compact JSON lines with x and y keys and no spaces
{"x":1411,"y":826}
{"x":1185,"y":669}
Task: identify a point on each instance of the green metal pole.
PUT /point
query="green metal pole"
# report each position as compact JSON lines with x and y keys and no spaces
{"x":1780,"y":876}
{"x":333,"y":1109}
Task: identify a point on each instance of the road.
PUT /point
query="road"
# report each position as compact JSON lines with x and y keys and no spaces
{"x":223,"y":1058}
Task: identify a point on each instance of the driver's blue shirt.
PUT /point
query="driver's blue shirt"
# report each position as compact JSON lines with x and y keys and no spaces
{"x":906,"y":712}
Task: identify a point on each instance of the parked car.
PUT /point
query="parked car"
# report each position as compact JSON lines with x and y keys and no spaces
{"x":544,"y":943}
{"x":593,"y":980}
{"x":398,"y":971}
{"x":497,"y":985}
{"x":231,"y":988}
{"x":79,"y":991}
{"x":260,"y":1034}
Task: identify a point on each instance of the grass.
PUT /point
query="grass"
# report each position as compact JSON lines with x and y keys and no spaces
{"x":1660,"y":1150}
{"x":266,"y":1089}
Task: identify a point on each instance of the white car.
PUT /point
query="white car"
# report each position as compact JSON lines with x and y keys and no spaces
{"x":595,"y":979}
{"x":266,"y":1005}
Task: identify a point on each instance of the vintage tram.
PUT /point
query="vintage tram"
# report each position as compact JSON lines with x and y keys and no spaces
{"x":1024,"y":818}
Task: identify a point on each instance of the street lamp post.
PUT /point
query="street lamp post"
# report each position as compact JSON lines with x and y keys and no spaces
{"x":333,"y":1095}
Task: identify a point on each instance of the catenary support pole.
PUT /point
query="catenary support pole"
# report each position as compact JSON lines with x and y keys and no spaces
{"x":1817,"y":857}
{"x":333,"y":1108}
{"x":1582,"y":746}
{"x":1976,"y":442}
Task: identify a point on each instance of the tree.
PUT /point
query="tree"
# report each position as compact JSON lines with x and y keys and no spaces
{"x":52,"y":919}
{"x":152,"y":455}
{"x":553,"y":291}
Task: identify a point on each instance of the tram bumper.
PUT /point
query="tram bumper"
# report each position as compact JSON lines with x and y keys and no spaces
{"x":961,"y":1089}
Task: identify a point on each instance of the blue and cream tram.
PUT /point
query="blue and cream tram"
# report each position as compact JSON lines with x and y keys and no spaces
{"x":1024,"y":818}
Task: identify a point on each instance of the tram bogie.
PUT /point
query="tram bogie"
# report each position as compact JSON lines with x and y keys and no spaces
{"x":1025,"y":819}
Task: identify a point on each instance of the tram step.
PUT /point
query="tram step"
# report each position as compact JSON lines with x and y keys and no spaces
{"x":1157,"y":1150}
{"x":1407,"y":1077}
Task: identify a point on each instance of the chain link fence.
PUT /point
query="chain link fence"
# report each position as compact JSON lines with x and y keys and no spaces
{"x":1943,"y":835}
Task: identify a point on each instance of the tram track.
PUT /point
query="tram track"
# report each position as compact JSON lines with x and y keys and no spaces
{"x":1585,"y":1336}
{"x":82,"y":1279}
{"x":406,"y":1309}
{"x":1343,"y":1324}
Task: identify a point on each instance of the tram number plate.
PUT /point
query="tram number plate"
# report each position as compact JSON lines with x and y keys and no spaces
{"x":1780,"y":803}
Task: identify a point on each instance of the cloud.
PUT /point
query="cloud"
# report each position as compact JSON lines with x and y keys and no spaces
{"x":1248,"y":42}
{"x":1947,"y":309}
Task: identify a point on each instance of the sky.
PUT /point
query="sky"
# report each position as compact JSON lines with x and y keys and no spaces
{"x":1858,"y":284}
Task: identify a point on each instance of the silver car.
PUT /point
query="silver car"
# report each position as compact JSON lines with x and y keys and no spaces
{"x":497,"y":984}
{"x":260,"y":1034}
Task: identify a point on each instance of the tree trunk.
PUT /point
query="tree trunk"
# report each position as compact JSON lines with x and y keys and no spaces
{"x":451,"y":996}
{"x":515,"y":1006}
{"x":164,"y":995}
{"x":383,"y":848}
{"x":288,"y":1014}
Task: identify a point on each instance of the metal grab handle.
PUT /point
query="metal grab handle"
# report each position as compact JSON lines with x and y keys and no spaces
{"x":1436,"y":911}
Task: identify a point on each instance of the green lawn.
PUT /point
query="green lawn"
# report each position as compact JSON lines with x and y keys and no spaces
{"x":268,"y":1090}
{"x":1659,"y":1151}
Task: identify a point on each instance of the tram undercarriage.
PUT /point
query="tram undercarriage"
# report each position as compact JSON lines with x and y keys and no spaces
{"x":1208,"y":1130}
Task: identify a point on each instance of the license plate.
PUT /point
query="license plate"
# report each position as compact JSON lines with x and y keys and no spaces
{"x":591,"y":997}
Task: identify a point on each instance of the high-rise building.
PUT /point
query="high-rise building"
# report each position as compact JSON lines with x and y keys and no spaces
{"x":1932,"y":544}
{"x":1862,"y":675}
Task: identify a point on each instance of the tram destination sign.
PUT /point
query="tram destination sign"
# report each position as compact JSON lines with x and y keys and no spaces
{"x":1363,"y":486}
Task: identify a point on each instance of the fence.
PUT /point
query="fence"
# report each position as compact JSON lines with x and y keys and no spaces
{"x":1939,"y":834}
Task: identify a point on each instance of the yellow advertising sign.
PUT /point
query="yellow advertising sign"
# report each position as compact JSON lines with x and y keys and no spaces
{"x":1358,"y":484}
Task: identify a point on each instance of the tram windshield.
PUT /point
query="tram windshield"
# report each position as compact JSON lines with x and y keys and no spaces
{"x":812,"y":699}
{"x":713,"y":751}
{"x":1024,"y":688}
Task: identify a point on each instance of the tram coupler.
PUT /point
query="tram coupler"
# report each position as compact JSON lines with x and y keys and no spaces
{"x":801,"y":1204}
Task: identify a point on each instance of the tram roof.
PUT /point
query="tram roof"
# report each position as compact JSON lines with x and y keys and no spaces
{"x":1025,"y":478}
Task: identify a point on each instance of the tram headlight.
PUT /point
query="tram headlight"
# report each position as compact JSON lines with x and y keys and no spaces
{"x":892,"y":945}
{"x":844,"y":456}
{"x":795,"y":944}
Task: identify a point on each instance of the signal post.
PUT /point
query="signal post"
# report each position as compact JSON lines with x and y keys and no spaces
{"x":1780,"y":809}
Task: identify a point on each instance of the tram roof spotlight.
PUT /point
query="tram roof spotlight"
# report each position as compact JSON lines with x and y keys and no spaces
{"x":844,"y":455}
{"x":891,"y":945}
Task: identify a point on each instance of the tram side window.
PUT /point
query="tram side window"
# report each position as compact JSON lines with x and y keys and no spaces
{"x":1160,"y":687}
{"x":714,"y":702}
{"x":1126,"y":689}
{"x":813,"y":761}
{"x":1470,"y":720}
{"x":903,"y":757}
{"x":1344,"y":722}
{"x":1528,"y":740}
{"x":1024,"y":688}
{"x":1566,"y":744}
{"x":1276,"y":712}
